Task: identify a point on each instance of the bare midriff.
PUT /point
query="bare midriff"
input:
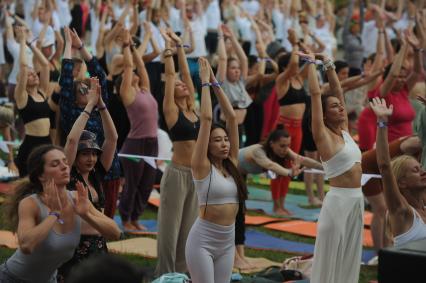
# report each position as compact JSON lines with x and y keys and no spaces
{"x":38,"y":128}
{"x":182,"y":152}
{"x":221,"y":214}
{"x":294,"y":111}
{"x":350,"y":179}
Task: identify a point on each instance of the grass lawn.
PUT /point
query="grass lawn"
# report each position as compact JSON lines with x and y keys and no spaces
{"x":367,"y":273}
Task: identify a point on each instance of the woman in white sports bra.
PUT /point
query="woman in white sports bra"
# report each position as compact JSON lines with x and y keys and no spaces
{"x":338,"y":246}
{"x":210,"y":247}
{"x":404,"y":183}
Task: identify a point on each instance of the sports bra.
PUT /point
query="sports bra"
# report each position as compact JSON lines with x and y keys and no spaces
{"x":34,"y":110}
{"x":344,"y":159}
{"x":416,"y":232}
{"x":293,"y":96}
{"x":220,"y":189}
{"x":184,"y":129}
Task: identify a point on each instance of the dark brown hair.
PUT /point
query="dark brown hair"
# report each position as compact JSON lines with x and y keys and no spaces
{"x":29,"y":185}
{"x":275,"y":136}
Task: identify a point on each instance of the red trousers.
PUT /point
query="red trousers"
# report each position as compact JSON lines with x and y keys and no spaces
{"x":279,"y":186}
{"x":111,"y":189}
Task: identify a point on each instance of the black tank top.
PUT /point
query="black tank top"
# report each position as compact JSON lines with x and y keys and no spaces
{"x":34,"y":110}
{"x":293,"y":96}
{"x":184,"y":129}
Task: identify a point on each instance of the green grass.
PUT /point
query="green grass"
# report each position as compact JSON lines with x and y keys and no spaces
{"x":366,"y":274}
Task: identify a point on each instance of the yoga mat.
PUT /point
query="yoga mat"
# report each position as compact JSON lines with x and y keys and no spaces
{"x":261,"y":220}
{"x":145,"y":247}
{"x":309,"y":229}
{"x":154,"y":198}
{"x":259,"y":264}
{"x":6,"y":188}
{"x":151,"y":226}
{"x":263,"y":241}
{"x":298,"y":212}
{"x":368,"y":216}
{"x":8,"y":239}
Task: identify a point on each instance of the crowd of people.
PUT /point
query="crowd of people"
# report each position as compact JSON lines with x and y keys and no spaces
{"x":297,"y":84}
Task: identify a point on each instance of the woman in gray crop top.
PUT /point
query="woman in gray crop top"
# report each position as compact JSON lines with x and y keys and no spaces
{"x":403,"y":182}
{"x":210,"y":247}
{"x":338,"y":245}
{"x":46,"y":218}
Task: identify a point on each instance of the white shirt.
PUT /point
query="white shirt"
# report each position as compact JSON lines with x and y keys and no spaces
{"x":175,"y":20}
{"x":251,"y":7}
{"x":327,"y":38}
{"x":28,"y":9}
{"x":244,"y":27}
{"x":213,"y":15}
{"x":369,"y":37}
{"x":156,"y":36}
{"x":199,"y":31}
{"x":64,"y":13}
{"x":117,"y":10}
{"x":282,"y":24}
{"x":13,"y":48}
{"x":95,"y":25}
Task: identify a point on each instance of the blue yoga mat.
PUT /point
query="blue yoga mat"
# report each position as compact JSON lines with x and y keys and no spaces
{"x":151,"y":225}
{"x":265,"y":195}
{"x":259,"y":240}
{"x":298,"y":212}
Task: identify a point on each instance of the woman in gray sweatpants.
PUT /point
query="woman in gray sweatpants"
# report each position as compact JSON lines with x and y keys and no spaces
{"x":210,"y":248}
{"x":178,"y":201}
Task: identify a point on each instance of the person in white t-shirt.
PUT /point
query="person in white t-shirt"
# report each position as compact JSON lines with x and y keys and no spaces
{"x":213,"y":21}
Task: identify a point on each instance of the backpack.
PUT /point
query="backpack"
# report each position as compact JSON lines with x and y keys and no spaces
{"x":172,"y":278}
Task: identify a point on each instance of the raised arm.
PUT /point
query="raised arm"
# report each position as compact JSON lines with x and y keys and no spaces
{"x":398,"y":207}
{"x":21,"y":95}
{"x":394,"y":70}
{"x":223,"y":58}
{"x":200,"y":163}
{"x":293,"y":66}
{"x":73,"y":138}
{"x":127,"y":92}
{"x":43,"y":68}
{"x":110,"y":132}
{"x":418,"y":72}
{"x":183,"y":63}
{"x":170,"y":108}
{"x":318,"y":127}
{"x":229,"y":114}
{"x":239,"y":51}
{"x":140,"y":68}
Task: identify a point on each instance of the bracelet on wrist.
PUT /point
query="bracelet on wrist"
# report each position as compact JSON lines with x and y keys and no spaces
{"x":217,"y":84}
{"x":102,"y":108}
{"x":81,"y":46}
{"x":418,"y":49}
{"x":183,"y":46}
{"x":57,"y":215}
{"x":328,"y":65}
{"x":87,"y":112}
{"x":382,"y":124}
{"x":206,"y":84}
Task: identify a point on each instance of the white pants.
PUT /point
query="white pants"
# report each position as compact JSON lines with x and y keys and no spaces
{"x":338,"y":246}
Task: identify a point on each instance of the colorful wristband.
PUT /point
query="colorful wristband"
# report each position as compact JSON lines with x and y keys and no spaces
{"x":57,"y":215}
{"x":206,"y":84}
{"x":382,"y":124}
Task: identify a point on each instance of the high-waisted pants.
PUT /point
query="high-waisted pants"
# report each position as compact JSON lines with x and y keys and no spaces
{"x":176,"y":214}
{"x":210,"y":252}
{"x":338,"y":246}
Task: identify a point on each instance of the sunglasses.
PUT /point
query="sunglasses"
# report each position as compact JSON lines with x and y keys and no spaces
{"x":83,"y":89}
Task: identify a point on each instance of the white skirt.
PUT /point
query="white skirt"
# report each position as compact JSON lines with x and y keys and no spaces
{"x":338,"y":246}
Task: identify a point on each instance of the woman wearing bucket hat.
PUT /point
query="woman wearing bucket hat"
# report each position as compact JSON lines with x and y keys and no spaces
{"x":89,"y":166}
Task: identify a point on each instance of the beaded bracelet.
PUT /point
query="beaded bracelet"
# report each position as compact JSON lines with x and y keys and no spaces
{"x":217,"y":84}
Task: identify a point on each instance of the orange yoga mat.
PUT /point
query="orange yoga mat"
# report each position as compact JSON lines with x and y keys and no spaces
{"x":8,"y":239}
{"x":368,"y":216}
{"x":154,"y":201}
{"x":261,"y":220}
{"x":309,"y":229}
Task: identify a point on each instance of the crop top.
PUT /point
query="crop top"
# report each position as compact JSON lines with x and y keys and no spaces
{"x":34,"y":110}
{"x":417,"y":231}
{"x":40,"y":266}
{"x":293,"y":96}
{"x":184,"y":129}
{"x":222,"y":189}
{"x":344,"y":160}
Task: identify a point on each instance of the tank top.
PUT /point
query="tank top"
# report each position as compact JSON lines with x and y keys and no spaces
{"x":247,"y":166}
{"x":293,"y":96}
{"x":416,"y":232}
{"x":220,"y":189}
{"x":40,"y":266}
{"x":184,"y":129}
{"x":143,"y":116}
{"x":344,"y":159}
{"x":34,"y":110}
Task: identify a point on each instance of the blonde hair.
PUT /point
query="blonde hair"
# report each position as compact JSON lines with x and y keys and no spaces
{"x":398,"y":166}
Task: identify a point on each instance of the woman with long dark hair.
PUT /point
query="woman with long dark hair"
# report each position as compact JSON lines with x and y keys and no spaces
{"x":338,"y":245}
{"x":220,"y":188}
{"x":47,"y":218}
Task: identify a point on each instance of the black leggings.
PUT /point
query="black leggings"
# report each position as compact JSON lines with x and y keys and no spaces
{"x":29,"y":143}
{"x":240,"y":226}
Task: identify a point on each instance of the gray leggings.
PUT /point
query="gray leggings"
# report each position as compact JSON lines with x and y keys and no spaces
{"x":210,"y":251}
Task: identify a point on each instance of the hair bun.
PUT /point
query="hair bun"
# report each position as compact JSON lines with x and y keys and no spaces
{"x":280,"y":127}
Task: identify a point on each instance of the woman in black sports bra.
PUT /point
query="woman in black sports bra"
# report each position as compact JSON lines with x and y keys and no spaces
{"x":32,"y":103}
{"x":292,"y":99}
{"x":179,"y":204}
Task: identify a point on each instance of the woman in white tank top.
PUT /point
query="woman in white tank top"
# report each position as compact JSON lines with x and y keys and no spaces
{"x":338,"y":246}
{"x":404,"y":183}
